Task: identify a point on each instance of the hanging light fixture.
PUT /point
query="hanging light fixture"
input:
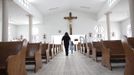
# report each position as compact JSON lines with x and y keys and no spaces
{"x":30,"y":1}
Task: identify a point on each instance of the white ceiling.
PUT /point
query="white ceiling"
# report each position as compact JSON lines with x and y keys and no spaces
{"x":51,"y":6}
{"x":119,"y":13}
{"x":18,"y":16}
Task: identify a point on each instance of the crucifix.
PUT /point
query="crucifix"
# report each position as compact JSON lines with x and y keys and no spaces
{"x":70,"y":18}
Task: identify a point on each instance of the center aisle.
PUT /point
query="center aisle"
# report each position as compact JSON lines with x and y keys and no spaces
{"x":75,"y":64}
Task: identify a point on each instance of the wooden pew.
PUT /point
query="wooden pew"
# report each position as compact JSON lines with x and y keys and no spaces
{"x":130,"y":41}
{"x":51,"y":53}
{"x":89,"y":49}
{"x":58,"y":48}
{"x":96,"y":50}
{"x":79,"y":46}
{"x":112,"y":51}
{"x":54,"y":49}
{"x":33,"y":55}
{"x":20,"y":64}
{"x":128,"y":44}
{"x":45,"y":52}
{"x":84,"y":48}
{"x":12,"y":58}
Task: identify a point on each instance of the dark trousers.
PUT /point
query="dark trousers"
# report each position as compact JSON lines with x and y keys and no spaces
{"x":66,"y":49}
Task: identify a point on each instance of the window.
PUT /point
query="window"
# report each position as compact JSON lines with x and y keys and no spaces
{"x":111,"y":2}
{"x":99,"y":32}
{"x":25,"y":3}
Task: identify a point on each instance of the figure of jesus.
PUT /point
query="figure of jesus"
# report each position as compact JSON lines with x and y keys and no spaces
{"x":70,"y":18}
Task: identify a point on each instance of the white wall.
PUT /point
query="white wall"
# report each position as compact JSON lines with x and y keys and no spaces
{"x":22,"y":30}
{"x":12,"y":32}
{"x":84,"y":24}
{"x":32,"y":10}
{"x":55,"y":22}
{"x":114,"y":27}
{"x":123,"y":26}
{"x":0,"y":20}
{"x":0,"y":30}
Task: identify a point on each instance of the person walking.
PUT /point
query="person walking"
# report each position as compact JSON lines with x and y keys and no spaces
{"x":66,"y":39}
{"x":71,"y":46}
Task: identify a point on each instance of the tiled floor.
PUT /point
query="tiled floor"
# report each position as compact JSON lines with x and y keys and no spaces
{"x":76,"y":64}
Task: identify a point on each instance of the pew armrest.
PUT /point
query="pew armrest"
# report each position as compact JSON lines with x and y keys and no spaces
{"x":88,"y":51}
{"x":47,"y":55}
{"x":52,"y":52}
{"x":38,"y":60}
{"x":106,"y":57}
{"x":13,"y":65}
{"x":94,"y":52}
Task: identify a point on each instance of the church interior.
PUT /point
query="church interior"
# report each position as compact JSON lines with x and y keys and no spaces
{"x":31,"y":32}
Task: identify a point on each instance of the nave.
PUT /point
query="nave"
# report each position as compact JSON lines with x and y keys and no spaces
{"x":75,"y":64}
{"x":97,"y":28}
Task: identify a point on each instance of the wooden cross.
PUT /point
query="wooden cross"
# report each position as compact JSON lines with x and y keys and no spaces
{"x":70,"y":18}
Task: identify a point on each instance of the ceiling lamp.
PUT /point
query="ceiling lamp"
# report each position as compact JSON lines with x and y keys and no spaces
{"x":55,"y":8}
{"x":85,"y":7}
{"x":30,"y":1}
{"x":102,"y":0}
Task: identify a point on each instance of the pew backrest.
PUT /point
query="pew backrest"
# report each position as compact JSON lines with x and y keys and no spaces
{"x":114,"y":45}
{"x":7,"y":49}
{"x":89,"y":45}
{"x":44,"y":48}
{"x":97,"y":46}
{"x":32,"y":48}
{"x":131,"y":41}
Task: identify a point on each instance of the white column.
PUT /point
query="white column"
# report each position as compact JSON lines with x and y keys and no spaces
{"x":108,"y":24}
{"x":30,"y":27}
{"x":4,"y":20}
{"x":131,"y":8}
